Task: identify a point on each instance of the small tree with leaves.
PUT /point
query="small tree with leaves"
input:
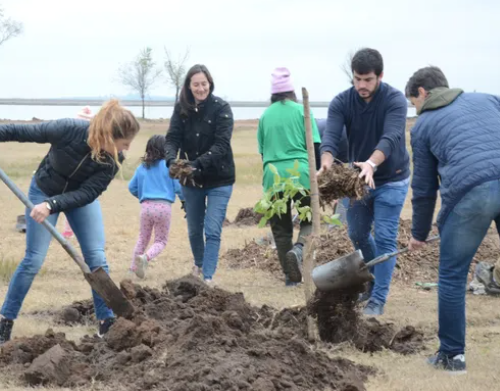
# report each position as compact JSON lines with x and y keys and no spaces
{"x":276,"y":198}
{"x":8,"y":28}
{"x":176,"y":69}
{"x":141,"y":74}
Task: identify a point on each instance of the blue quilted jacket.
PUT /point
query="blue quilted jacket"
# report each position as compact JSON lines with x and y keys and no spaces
{"x":456,"y":146}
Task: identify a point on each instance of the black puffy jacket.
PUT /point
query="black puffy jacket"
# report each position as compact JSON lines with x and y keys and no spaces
{"x":204,"y":136}
{"x":67,"y":174}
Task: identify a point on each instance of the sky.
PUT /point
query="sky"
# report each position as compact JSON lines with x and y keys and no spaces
{"x":71,"y":48}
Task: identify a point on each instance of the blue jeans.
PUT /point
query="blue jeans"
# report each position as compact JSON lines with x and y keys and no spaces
{"x":206,"y":210}
{"x":381,"y":207}
{"x":461,"y":235}
{"x":87,"y":225}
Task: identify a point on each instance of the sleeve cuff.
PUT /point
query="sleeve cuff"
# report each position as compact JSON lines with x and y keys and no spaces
{"x":384,"y":147}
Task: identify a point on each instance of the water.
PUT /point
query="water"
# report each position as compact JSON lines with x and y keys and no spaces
{"x":26,"y":113}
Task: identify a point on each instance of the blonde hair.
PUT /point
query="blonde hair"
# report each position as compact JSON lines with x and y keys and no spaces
{"x":112,"y":122}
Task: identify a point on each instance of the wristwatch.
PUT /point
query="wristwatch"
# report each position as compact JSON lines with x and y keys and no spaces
{"x":374,"y":166}
{"x":49,"y":207}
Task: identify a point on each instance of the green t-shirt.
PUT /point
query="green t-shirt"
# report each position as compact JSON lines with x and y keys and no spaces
{"x":282,"y":140}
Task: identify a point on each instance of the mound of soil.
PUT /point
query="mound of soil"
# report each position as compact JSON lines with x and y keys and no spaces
{"x":254,"y":255}
{"x":339,"y":321}
{"x":79,"y":312}
{"x":247,"y":217}
{"x":411,"y":267}
{"x":187,"y":337}
{"x":339,"y":182}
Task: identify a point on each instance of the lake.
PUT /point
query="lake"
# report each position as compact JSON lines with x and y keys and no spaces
{"x":26,"y":113}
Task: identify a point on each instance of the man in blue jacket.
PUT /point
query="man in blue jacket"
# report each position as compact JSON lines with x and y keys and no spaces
{"x":374,"y":114}
{"x":456,"y":149}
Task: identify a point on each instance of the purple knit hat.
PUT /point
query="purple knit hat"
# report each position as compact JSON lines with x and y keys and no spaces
{"x":281,"y":81}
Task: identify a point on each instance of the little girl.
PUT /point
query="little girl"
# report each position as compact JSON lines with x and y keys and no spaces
{"x":156,"y":191}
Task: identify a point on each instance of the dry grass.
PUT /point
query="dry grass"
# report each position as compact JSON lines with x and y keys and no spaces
{"x":62,"y":282}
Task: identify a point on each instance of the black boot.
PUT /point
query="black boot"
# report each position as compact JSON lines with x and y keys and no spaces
{"x":294,"y":263}
{"x":5,"y":330}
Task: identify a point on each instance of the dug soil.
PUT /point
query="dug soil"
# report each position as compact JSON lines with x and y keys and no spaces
{"x":339,"y":182}
{"x":187,"y":337}
{"x":411,"y":267}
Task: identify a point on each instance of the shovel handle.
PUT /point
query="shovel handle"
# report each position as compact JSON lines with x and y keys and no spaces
{"x":386,"y":257}
{"x":53,"y":231}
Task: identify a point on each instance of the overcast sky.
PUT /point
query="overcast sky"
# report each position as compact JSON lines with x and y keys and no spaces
{"x":72,"y":48}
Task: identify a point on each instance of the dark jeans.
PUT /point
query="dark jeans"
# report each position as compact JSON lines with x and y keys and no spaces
{"x":282,"y":229}
{"x":88,"y":227}
{"x":206,"y":210}
{"x":382,"y":207}
{"x":461,"y":235}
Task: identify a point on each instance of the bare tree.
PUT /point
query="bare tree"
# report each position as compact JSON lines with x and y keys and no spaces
{"x":8,"y":28}
{"x":140,"y":74}
{"x":346,"y":66}
{"x":176,"y":69}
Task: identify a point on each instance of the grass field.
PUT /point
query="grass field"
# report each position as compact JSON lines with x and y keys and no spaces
{"x":61,"y":283}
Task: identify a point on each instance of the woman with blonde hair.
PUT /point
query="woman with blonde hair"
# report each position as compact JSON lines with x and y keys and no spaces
{"x":83,"y":159}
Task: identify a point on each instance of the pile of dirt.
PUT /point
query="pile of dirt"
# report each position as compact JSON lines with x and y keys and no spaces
{"x":411,"y":267}
{"x":339,"y":320}
{"x":247,"y":217}
{"x":339,"y":182}
{"x":253,"y":255}
{"x":79,"y":312}
{"x":186,"y":337}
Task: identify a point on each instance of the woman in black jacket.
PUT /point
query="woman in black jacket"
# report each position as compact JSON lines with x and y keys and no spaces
{"x":83,"y":159}
{"x":201,"y":128}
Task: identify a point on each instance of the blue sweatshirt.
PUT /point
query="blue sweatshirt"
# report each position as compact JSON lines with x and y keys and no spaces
{"x":154,"y":183}
{"x":378,"y":125}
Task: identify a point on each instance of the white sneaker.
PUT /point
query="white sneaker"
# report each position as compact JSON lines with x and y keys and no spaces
{"x":141,"y":262}
{"x":196,"y":271}
{"x":209,"y":282}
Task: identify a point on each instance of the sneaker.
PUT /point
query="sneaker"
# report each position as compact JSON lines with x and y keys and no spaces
{"x":196,"y":271}
{"x":5,"y":330}
{"x":104,"y":326}
{"x":455,"y":364}
{"x":141,"y":262}
{"x":209,"y":282}
{"x":373,"y":309}
{"x":293,"y":263}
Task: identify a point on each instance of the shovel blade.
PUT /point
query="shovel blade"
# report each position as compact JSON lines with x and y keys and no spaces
{"x":341,"y":273}
{"x":114,"y":298}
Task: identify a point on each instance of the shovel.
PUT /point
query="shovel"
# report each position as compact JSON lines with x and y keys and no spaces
{"x":98,"y":279}
{"x":350,"y":270}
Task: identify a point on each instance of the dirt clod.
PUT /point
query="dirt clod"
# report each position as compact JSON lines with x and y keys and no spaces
{"x":339,"y":182}
{"x":52,"y":366}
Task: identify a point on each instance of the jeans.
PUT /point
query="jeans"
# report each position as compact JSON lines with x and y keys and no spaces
{"x":461,"y":235}
{"x":381,"y":207}
{"x":87,"y":225}
{"x":282,"y":229}
{"x":206,"y":210}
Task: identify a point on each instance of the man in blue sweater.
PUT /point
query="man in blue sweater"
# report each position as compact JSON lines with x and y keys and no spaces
{"x":374,"y":114}
{"x":456,"y":150}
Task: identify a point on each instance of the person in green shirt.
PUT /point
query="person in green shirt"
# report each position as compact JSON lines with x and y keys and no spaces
{"x":282,"y":141}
